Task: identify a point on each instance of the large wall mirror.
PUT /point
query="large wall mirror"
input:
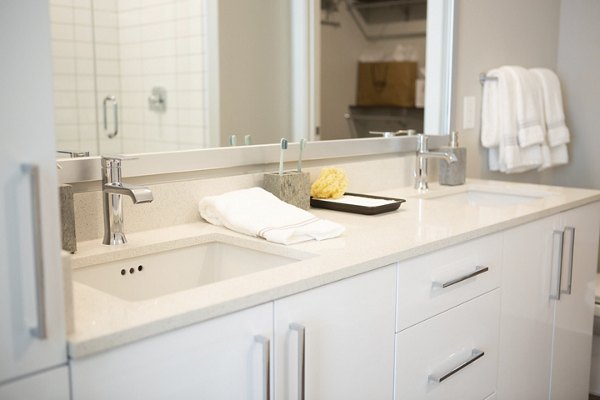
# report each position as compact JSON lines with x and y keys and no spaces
{"x":135,"y":76}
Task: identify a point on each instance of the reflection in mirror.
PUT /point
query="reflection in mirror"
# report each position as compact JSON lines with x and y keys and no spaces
{"x":132,"y":76}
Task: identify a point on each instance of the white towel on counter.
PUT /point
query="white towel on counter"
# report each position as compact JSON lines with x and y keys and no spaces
{"x":257,"y":212}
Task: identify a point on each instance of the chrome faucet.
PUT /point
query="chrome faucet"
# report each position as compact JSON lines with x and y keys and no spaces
{"x":423,"y":154}
{"x":112,"y":199}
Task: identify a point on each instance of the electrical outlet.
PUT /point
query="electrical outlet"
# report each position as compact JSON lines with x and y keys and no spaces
{"x":468,"y":112}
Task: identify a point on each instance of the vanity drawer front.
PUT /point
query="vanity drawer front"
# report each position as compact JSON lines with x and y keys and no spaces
{"x":436,"y":282}
{"x":428,"y":353}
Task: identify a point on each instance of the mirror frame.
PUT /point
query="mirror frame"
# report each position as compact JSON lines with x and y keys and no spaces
{"x":438,"y":120}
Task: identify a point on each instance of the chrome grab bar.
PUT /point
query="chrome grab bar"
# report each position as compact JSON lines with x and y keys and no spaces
{"x":40,"y":330}
{"x":115,"y":130}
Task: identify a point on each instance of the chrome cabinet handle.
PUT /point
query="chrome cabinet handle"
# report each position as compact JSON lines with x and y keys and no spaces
{"x":480,"y":269}
{"x":33,"y":171}
{"x":115,"y":130}
{"x":476,"y":354}
{"x":571,"y":231}
{"x":558,"y":238}
{"x":266,"y":363}
{"x":301,"y":357}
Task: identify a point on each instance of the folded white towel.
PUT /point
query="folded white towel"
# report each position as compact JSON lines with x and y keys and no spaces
{"x":530,"y":127}
{"x":257,"y":212}
{"x":491,"y":109}
{"x":554,"y":115}
{"x":512,"y":156}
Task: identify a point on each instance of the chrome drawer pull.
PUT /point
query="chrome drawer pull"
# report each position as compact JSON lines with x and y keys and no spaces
{"x":571,"y":231}
{"x":266,"y":362}
{"x":558,"y":238}
{"x":478,"y":270}
{"x":301,"y":357}
{"x":33,"y":170}
{"x":475,"y":355}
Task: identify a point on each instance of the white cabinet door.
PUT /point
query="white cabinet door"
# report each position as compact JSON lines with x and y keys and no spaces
{"x":527,"y":312}
{"x":217,"y":359}
{"x":31,"y":304}
{"x":47,"y":385}
{"x":348,"y":339}
{"x":572,"y":349}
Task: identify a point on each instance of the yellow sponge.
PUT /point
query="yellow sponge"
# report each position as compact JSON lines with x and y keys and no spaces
{"x":331,"y":184}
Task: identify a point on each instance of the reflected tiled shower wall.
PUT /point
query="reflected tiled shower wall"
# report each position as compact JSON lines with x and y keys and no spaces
{"x":132,"y":46}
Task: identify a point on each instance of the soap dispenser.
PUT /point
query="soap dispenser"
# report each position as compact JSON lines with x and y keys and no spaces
{"x":453,"y":174}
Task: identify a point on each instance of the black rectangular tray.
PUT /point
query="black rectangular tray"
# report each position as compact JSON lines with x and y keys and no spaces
{"x":353,"y":208}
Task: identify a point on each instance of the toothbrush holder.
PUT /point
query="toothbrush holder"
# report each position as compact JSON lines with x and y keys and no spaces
{"x":293,"y":187}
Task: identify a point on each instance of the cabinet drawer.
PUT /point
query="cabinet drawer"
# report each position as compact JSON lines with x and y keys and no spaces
{"x":437,"y":347}
{"x":436,"y":282}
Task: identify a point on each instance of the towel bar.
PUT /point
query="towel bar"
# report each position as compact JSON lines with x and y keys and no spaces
{"x":483,"y":77}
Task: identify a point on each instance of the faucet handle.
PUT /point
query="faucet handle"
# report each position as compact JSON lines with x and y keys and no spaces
{"x":401,"y":132}
{"x":114,"y":160}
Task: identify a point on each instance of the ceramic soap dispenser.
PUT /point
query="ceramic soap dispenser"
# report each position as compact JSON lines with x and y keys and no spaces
{"x":454,"y":174}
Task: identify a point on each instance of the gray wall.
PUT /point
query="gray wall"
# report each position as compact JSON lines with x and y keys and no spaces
{"x":578,"y":67}
{"x":490,"y":33}
{"x":560,"y":35}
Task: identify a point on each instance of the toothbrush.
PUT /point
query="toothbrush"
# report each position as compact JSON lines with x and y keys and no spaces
{"x":284,"y":144}
{"x":302,"y":145}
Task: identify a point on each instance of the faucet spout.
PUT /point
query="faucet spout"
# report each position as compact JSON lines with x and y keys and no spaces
{"x":423,"y":154}
{"x":113,"y":191}
{"x":138,"y":194}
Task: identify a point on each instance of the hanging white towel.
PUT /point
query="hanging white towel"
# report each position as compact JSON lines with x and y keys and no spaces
{"x":528,"y":102}
{"x":491,"y":109}
{"x":257,"y":212}
{"x":554,"y":115}
{"x":500,"y":127}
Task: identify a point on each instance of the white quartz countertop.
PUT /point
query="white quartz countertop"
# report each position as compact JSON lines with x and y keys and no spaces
{"x":420,"y":226}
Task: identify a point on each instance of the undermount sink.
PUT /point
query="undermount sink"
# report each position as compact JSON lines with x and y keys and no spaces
{"x":159,"y":274}
{"x":488,"y":197}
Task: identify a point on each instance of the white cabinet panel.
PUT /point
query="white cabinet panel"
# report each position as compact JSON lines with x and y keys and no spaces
{"x":349,"y":339}
{"x":461,"y":268}
{"x":217,"y":359}
{"x":527,"y":312}
{"x":572,"y":348}
{"x":28,"y":300}
{"x":48,"y":385}
{"x":441,"y":344}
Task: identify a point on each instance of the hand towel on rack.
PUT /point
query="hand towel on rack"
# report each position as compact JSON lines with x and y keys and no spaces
{"x":491,"y":109}
{"x":554,"y":115}
{"x":257,"y":212}
{"x":530,"y":127}
{"x":499,"y":117}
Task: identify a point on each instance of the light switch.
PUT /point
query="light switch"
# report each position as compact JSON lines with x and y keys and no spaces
{"x":468,"y":112}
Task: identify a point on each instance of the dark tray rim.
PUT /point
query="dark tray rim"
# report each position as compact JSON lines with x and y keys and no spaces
{"x":352,"y":208}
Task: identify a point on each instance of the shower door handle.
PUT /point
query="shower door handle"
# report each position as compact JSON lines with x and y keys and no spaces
{"x":115,"y":106}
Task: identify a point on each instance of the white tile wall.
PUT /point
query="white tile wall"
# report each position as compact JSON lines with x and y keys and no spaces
{"x":133,"y":46}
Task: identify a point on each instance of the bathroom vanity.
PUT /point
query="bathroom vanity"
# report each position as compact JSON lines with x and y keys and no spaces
{"x":471,"y":292}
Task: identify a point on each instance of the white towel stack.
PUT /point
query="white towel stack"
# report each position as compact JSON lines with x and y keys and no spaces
{"x":522,"y":120}
{"x":256,"y":212}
